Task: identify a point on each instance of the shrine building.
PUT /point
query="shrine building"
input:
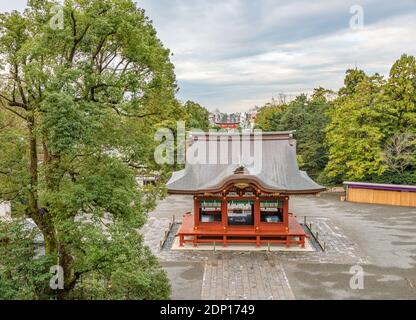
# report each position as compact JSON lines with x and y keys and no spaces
{"x":236,"y":201}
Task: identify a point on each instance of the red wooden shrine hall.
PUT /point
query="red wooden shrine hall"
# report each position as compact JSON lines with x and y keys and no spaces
{"x":235,"y":203}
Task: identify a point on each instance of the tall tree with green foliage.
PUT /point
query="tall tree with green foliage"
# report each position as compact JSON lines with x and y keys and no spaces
{"x":397,"y":108}
{"x":353,"y":139}
{"x":268,"y":116}
{"x":196,"y":116}
{"x":353,"y":77}
{"x":370,"y":118}
{"x":306,"y":116}
{"x":397,"y":104}
{"x":84,"y":99}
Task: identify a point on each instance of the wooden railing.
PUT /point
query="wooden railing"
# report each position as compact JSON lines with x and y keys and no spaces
{"x":315,"y":234}
{"x":166,"y":234}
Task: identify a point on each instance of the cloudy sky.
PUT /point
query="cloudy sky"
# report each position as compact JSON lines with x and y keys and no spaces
{"x":234,"y":54}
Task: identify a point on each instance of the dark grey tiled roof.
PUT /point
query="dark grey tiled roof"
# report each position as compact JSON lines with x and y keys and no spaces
{"x":274,"y":169}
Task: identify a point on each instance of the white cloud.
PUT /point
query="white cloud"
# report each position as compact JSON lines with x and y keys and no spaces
{"x":236,"y":53}
{"x":256,"y":66}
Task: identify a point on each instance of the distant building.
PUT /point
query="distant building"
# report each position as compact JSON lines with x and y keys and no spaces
{"x":225,"y":120}
{"x":243,"y":120}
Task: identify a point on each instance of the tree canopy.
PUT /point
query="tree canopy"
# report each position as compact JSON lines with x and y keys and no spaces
{"x":368,"y":119}
{"x":197,"y":117}
{"x":78,"y":109}
{"x":306,"y":116}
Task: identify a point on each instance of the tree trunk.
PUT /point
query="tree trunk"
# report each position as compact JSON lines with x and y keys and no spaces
{"x":66,"y":262}
{"x":42,"y":220}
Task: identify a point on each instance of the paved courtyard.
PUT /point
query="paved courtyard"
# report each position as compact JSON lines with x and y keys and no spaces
{"x":245,"y":276}
{"x":380,"y":239}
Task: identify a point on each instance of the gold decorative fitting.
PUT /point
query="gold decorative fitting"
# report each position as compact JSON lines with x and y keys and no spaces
{"x":276,"y":194}
{"x":241,"y":185}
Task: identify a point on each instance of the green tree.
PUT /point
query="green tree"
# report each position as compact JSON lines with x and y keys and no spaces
{"x":86,"y":99}
{"x":370,"y":126}
{"x":268,"y":116}
{"x":353,"y":138}
{"x":397,"y":121}
{"x":397,"y":104}
{"x":196,"y":116}
{"x":323,"y":95}
{"x":23,"y":273}
{"x":308,"y":117}
{"x":352,"y":78}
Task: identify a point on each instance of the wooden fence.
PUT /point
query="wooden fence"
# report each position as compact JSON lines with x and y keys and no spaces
{"x":389,"y":194}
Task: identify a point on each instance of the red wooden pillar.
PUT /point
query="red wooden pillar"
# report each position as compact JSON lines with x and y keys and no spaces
{"x":286,"y":212}
{"x":224,"y":215}
{"x":288,"y":238}
{"x":286,"y":219}
{"x":257,"y":220}
{"x":257,"y":213}
{"x":258,"y":241}
{"x":196,"y":219}
{"x":302,"y":241}
{"x":196,"y":212}
{"x":224,"y":220}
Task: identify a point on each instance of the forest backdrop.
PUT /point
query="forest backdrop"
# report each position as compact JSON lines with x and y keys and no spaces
{"x":364,"y":132}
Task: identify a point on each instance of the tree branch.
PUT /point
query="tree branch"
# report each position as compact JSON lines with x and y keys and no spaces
{"x":19,"y":85}
{"x":125,"y":114}
{"x":13,"y":111}
{"x":13,"y":103}
{"x":77,"y":40}
{"x":101,"y":45}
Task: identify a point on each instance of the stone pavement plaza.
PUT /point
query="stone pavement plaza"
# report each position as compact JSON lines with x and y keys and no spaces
{"x":380,"y":239}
